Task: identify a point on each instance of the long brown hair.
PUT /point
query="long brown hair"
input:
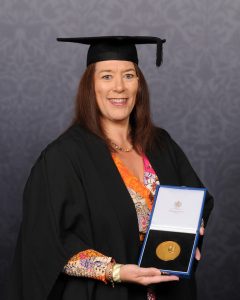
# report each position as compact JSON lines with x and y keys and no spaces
{"x":87,"y":113}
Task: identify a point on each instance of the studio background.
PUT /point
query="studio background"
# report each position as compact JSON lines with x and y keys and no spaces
{"x":194,"y":95}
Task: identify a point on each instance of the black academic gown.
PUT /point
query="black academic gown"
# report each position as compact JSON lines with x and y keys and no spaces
{"x":75,"y":200}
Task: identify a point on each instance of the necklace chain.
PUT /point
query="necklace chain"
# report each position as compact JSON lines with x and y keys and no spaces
{"x":117,"y":147}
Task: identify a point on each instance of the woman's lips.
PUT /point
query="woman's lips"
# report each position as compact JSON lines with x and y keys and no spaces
{"x":118,"y":101}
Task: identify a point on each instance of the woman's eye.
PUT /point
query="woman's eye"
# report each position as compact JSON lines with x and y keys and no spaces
{"x":129,"y":76}
{"x":107,"y":77}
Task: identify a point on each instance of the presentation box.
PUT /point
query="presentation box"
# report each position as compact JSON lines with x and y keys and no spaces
{"x":171,"y":240}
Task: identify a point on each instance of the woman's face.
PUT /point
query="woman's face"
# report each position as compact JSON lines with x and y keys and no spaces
{"x":116,"y":85}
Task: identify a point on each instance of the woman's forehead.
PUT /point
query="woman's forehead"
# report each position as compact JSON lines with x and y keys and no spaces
{"x":114,"y":65}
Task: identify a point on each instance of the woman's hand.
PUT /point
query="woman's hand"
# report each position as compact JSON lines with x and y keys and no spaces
{"x":197,"y":253}
{"x":143,"y":276}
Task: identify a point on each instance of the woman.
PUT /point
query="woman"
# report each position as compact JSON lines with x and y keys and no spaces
{"x":88,"y":199}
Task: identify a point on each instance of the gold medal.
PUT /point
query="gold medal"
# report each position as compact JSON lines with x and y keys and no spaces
{"x":168,"y":250}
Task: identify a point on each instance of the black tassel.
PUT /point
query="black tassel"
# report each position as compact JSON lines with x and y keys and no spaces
{"x":159,"y":52}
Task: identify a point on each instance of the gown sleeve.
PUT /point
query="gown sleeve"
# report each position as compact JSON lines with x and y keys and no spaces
{"x":56,"y":225}
{"x":188,"y":176}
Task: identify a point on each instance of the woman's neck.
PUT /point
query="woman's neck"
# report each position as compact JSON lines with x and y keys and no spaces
{"x":117,"y":132}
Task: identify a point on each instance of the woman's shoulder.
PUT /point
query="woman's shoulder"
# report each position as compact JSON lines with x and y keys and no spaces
{"x":161,"y":132}
{"x":72,"y":138}
{"x":67,"y":145}
{"x":162,"y":136}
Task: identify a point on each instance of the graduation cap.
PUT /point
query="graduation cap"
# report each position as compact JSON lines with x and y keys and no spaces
{"x":116,"y":47}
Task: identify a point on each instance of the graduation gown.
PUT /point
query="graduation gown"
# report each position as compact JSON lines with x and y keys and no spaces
{"x":75,"y":199}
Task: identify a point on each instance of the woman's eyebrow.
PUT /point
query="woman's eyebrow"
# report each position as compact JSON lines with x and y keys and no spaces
{"x":128,"y":70}
{"x":102,"y":71}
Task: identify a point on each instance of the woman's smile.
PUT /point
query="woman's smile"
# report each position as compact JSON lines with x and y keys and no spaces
{"x":118,"y":101}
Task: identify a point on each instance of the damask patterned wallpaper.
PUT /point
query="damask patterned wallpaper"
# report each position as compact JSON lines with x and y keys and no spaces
{"x":195,"y":96}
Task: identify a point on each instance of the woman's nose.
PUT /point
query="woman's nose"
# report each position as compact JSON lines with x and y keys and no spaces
{"x":119,"y":84}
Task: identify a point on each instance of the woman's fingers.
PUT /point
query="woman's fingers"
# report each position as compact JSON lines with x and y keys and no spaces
{"x":165,"y":278}
{"x":146,"y":280}
{"x":197,"y":254}
{"x":149,"y":272}
{"x":201,"y":231}
{"x":144,"y":276}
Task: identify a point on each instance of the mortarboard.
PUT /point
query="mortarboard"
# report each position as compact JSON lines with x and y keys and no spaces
{"x":116,"y":47}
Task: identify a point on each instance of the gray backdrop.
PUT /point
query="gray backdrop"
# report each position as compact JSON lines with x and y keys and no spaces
{"x":195,"y":96}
